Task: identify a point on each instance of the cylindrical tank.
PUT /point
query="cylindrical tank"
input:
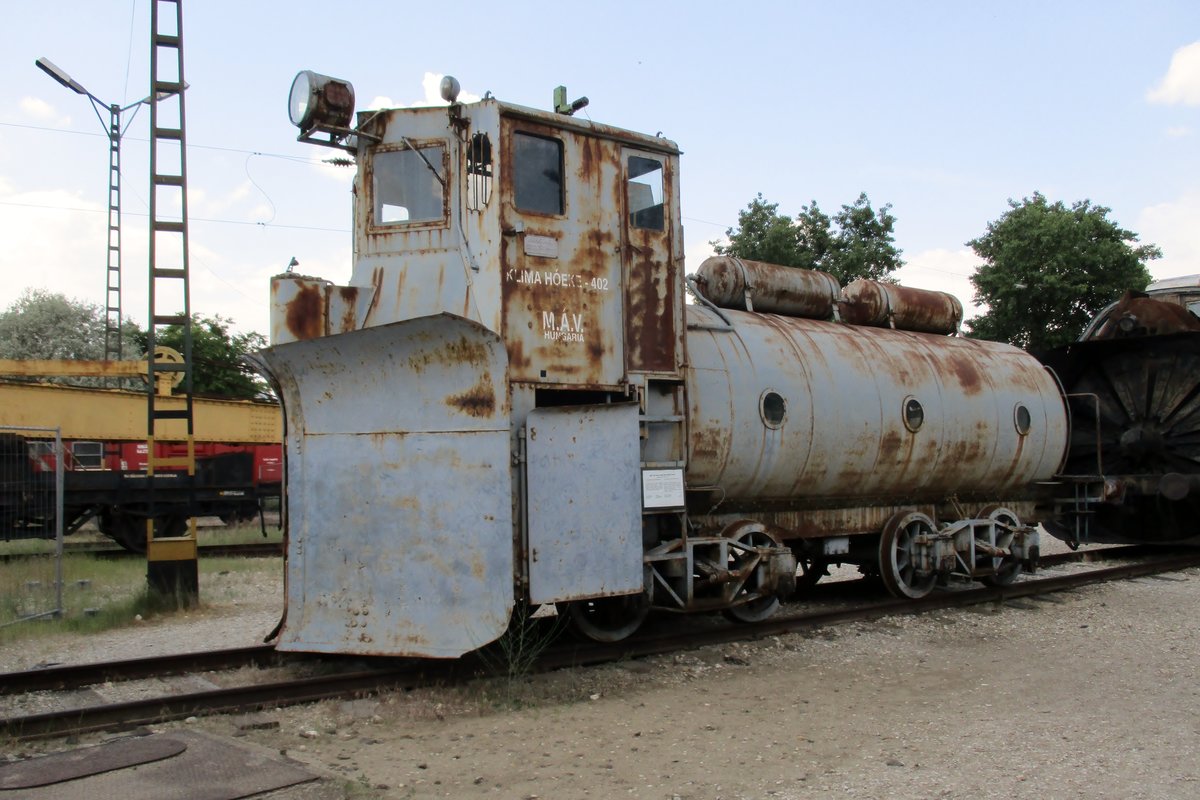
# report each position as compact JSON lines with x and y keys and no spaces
{"x":822,"y":413}
{"x":772,"y":289}
{"x":904,"y":308}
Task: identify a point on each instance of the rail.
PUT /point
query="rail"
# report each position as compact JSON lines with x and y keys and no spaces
{"x":412,"y":673}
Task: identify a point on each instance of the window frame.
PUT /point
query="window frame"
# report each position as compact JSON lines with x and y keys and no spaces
{"x":78,"y":458}
{"x":403,"y":226}
{"x":630,"y":179}
{"x":562,"y":171}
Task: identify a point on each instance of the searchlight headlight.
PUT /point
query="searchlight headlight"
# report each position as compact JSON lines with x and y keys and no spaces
{"x":321,"y":104}
{"x":319,"y":100}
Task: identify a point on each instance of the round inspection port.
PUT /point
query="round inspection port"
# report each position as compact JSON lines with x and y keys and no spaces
{"x":773,"y":408}
{"x":914,"y":414}
{"x":1022,"y":419}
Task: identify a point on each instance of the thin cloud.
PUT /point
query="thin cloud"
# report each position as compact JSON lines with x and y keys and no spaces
{"x":1181,"y":84}
{"x":431,"y":85}
{"x":1171,"y":226}
{"x":39,"y":110}
{"x":944,"y":270}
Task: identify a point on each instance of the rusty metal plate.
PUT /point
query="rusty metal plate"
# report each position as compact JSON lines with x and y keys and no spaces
{"x":399,"y":489}
{"x":81,"y":762}
{"x":585,"y":521}
{"x":207,"y":768}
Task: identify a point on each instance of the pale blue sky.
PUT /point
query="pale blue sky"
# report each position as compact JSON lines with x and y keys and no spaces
{"x":944,"y":110}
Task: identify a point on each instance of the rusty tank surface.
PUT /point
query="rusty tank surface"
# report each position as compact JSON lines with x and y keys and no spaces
{"x":510,"y":405}
{"x":768,"y":288}
{"x":890,"y":305}
{"x":824,"y":412}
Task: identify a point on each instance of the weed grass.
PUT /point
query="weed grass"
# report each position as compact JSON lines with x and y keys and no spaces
{"x":512,"y":658}
{"x":103,"y":593}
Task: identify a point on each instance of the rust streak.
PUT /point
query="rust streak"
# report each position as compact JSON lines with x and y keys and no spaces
{"x":968,"y":376}
{"x":478,"y":401}
{"x":349,"y":296}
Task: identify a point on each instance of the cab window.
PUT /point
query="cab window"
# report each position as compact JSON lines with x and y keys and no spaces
{"x":479,"y":172}
{"x":408,"y":185}
{"x":537,"y":174}
{"x":88,"y":455}
{"x":644,"y":193}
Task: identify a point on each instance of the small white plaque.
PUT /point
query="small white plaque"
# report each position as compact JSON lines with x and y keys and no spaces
{"x":542,"y":246}
{"x":662,"y":488}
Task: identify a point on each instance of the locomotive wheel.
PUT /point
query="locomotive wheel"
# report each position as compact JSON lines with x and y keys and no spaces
{"x":1008,"y":568}
{"x":610,"y":619}
{"x":897,"y":569}
{"x":750,"y":536}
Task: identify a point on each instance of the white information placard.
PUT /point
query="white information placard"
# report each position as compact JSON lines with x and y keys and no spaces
{"x":543,"y":246}
{"x":662,"y":488}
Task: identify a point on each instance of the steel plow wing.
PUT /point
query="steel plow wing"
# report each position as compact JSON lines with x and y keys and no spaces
{"x":399,"y":491}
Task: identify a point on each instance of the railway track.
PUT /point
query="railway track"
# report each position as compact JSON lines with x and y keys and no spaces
{"x":414,"y":673}
{"x":103,"y":550}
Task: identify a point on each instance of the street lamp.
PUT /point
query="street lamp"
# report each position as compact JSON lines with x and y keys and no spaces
{"x":112,"y":319}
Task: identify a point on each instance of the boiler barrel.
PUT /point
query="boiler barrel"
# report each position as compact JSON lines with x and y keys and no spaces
{"x":798,"y":410}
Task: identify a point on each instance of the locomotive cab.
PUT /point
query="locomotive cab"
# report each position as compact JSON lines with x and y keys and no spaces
{"x":508,"y":359}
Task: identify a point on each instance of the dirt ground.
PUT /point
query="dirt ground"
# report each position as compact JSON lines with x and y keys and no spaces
{"x":1092,"y":694}
{"x":1089,"y":694}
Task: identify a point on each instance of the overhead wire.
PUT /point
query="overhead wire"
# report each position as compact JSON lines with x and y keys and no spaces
{"x":129,"y":57}
{"x":249,"y":154}
{"x":190,"y":218}
{"x":301,"y":160}
{"x":191,"y":145}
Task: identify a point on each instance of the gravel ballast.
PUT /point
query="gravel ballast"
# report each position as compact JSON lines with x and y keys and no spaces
{"x":1089,"y":694}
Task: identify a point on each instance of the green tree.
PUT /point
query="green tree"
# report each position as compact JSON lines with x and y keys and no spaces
{"x":857,"y":242}
{"x":218,"y":365}
{"x":1048,"y":269}
{"x":49,"y":325}
{"x":42,"y":324}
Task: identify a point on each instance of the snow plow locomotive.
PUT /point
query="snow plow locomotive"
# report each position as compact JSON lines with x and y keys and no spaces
{"x":511,"y":403}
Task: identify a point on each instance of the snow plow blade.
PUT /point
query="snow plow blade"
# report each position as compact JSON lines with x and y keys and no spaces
{"x":398,"y":491}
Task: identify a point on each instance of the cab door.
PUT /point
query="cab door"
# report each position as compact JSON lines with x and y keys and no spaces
{"x":561,"y":281}
{"x":653,"y":306}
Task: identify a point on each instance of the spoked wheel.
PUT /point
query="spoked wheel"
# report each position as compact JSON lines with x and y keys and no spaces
{"x":611,"y":619}
{"x":1006,"y":568}
{"x":743,"y":555}
{"x":897,"y":567}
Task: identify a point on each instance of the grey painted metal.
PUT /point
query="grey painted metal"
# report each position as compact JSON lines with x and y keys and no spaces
{"x":844,"y":388}
{"x":399,"y":490}
{"x":585,"y":521}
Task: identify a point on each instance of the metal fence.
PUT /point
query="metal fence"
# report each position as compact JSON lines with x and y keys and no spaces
{"x":31,"y":513}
